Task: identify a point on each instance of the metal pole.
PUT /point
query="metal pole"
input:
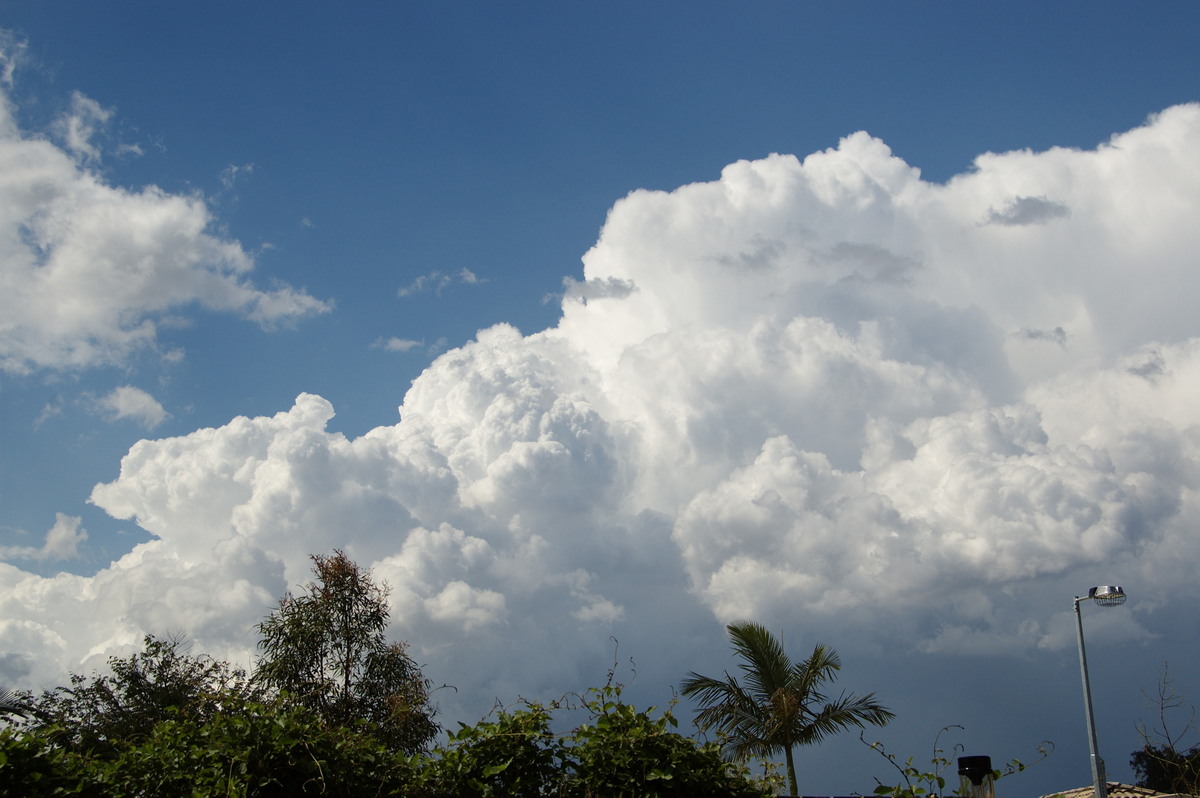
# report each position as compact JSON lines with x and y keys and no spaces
{"x":1098,"y":775}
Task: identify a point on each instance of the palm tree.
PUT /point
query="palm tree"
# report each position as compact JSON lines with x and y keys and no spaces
{"x":13,"y":703}
{"x":781,"y":705}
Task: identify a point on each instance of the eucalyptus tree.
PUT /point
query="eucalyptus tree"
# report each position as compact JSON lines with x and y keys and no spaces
{"x":327,"y":651}
{"x":781,"y":703}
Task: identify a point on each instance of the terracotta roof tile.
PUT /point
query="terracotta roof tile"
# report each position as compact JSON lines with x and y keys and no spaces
{"x":1116,"y":790}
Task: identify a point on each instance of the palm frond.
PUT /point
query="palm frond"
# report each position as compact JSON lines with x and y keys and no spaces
{"x":848,"y":710}
{"x":727,"y":709}
{"x":764,"y":662}
{"x":13,"y":703}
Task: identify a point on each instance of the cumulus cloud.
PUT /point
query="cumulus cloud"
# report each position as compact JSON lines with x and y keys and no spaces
{"x":814,"y":388}
{"x":134,"y":404}
{"x":88,"y":270}
{"x":61,"y":543}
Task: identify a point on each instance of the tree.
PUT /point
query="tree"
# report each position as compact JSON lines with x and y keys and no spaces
{"x":782,"y":704}
{"x":617,"y":751}
{"x":511,"y":752}
{"x":255,"y":749}
{"x":273,"y":749}
{"x":1166,"y":762}
{"x":623,"y":751}
{"x":162,"y":682}
{"x":327,"y":651}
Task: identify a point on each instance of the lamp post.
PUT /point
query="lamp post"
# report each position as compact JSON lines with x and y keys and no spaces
{"x":1105,"y":596}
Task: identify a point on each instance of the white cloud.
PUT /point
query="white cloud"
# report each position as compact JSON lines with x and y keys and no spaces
{"x":134,"y":404}
{"x":78,"y":127}
{"x":88,"y":271}
{"x":836,"y":394}
{"x":231,"y":174}
{"x":62,"y":542}
{"x":13,"y":51}
{"x":437,"y":282}
{"x":396,"y":344}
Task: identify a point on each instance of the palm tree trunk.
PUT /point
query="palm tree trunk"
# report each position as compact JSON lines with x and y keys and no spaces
{"x":791,"y":771}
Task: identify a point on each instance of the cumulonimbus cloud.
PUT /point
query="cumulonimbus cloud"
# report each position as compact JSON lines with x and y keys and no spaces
{"x":821,"y":399}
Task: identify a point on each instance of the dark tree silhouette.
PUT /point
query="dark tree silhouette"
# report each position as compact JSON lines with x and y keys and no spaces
{"x":1169,"y":760}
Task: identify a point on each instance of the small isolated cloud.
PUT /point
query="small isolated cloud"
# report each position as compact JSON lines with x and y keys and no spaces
{"x":62,"y":542}
{"x":49,"y":411}
{"x":13,"y":51}
{"x":1149,"y":366}
{"x":1028,"y":210}
{"x":396,"y":344}
{"x":585,"y":291}
{"x":232,"y":173}
{"x":1056,"y":336}
{"x":78,"y":126}
{"x":133,"y":404}
{"x":437,"y":282}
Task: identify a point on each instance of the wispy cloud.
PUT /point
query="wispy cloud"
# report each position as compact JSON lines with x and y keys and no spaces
{"x":437,"y":282}
{"x":78,"y":127}
{"x":233,"y":173}
{"x":1056,"y":336}
{"x":396,"y":344}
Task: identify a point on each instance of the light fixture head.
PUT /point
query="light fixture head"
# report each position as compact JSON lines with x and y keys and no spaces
{"x":1107,"y":595}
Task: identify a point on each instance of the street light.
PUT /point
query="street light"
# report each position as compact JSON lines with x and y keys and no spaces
{"x":1105,"y":596}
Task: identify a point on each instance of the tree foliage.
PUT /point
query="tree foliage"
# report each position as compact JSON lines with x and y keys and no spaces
{"x":261,"y":749}
{"x":334,"y":709}
{"x":511,"y":752}
{"x":164,"y":681}
{"x":327,"y":650}
{"x":280,"y":748}
{"x":617,"y":751}
{"x":1169,"y":759}
{"x":621,"y":751}
{"x":781,"y":704}
{"x":274,"y":749}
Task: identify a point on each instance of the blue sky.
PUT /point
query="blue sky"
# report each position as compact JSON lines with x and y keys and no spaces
{"x":402,"y":176}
